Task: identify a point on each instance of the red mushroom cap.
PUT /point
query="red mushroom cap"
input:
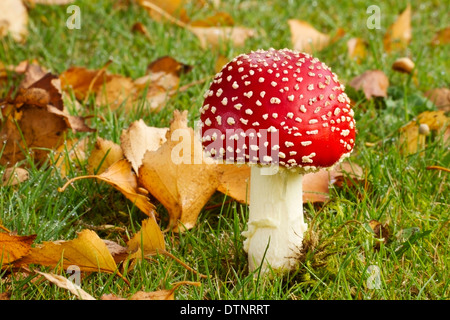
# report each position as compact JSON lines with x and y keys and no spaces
{"x":277,"y":106}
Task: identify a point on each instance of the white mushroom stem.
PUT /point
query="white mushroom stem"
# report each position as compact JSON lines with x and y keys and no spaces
{"x":275,"y":219}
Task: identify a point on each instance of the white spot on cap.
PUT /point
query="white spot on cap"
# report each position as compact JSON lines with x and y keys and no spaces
{"x":275,"y":100}
{"x":291,"y":97}
{"x":248,"y":94}
{"x":273,"y":83}
{"x":288,"y":144}
{"x":261,"y":79}
{"x":231,"y":121}
{"x":262,"y":94}
{"x":208,"y":122}
{"x":224,"y":101}
{"x":249,"y":111}
{"x":238,"y":106}
{"x":219,"y":92}
{"x":219,"y":120}
{"x":306,"y":143}
{"x":235,"y":85}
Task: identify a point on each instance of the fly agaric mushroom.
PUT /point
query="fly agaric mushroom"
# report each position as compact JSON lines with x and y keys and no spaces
{"x":287,"y":111}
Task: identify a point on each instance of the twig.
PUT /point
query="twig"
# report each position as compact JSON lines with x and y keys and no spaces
{"x":438,"y":168}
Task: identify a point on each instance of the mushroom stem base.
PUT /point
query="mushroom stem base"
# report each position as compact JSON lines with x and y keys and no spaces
{"x":275,"y":220}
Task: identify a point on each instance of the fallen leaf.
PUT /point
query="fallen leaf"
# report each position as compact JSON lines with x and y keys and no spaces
{"x":381,"y":231}
{"x":216,"y":20}
{"x":173,"y":8}
{"x":305,"y":38}
{"x":13,"y":19}
{"x":88,"y":252}
{"x":178,"y":175}
{"x":14,"y":247}
{"x":104,"y":154}
{"x":235,"y":181}
{"x":161,"y":294}
{"x":399,"y":34}
{"x":374,"y":83}
{"x":357,"y":49}
{"x":440,"y":97}
{"x":148,"y":241}
{"x":441,"y":37}
{"x":13,"y":176}
{"x":412,"y":135}
{"x":65,"y":283}
{"x":219,"y":37}
{"x":138,"y":139}
{"x":120,"y":176}
{"x":52,"y":2}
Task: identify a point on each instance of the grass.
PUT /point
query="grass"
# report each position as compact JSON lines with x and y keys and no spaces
{"x":399,"y":191}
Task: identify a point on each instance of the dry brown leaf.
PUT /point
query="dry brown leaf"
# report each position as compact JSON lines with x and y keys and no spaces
{"x":13,"y":176}
{"x":104,"y":154}
{"x":177,"y":175}
{"x":374,"y":83}
{"x":88,"y":252}
{"x":121,"y":177}
{"x":399,"y":34}
{"x":441,"y":37}
{"x":52,"y":2}
{"x":13,"y":19}
{"x":413,"y":134}
{"x":14,"y":247}
{"x":305,"y":38}
{"x":219,"y":37}
{"x":65,"y":283}
{"x":216,"y":20}
{"x":161,"y":294}
{"x":440,"y":97}
{"x":235,"y":181}
{"x":148,"y":241}
{"x":173,"y":8}
{"x":357,"y":49}
{"x":138,"y":138}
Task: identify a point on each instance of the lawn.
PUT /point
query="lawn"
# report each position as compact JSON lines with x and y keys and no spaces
{"x":345,"y":258}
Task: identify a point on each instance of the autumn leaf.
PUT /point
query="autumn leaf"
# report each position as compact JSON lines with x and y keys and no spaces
{"x":13,"y":19}
{"x":441,"y":37}
{"x":162,"y":294}
{"x":440,"y":97}
{"x":104,"y":154}
{"x":65,"y":283}
{"x":13,"y":247}
{"x":413,"y":134}
{"x":35,"y":121}
{"x":399,"y":34}
{"x":138,"y":139}
{"x":357,"y":49}
{"x":120,"y":176}
{"x":71,"y":153}
{"x":178,"y":175}
{"x":148,"y":241}
{"x":374,"y":83}
{"x":173,"y":8}
{"x":210,"y":32}
{"x":235,"y":181}
{"x":13,"y":176}
{"x":305,"y":38}
{"x":88,"y":252}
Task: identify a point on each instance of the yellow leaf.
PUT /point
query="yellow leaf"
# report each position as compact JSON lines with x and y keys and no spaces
{"x":88,"y":252}
{"x":120,"y":176}
{"x":65,"y":283}
{"x":14,"y":247}
{"x":305,"y":38}
{"x":178,"y":175}
{"x":138,"y":138}
{"x":104,"y":154}
{"x":219,"y":37}
{"x":13,"y":19}
{"x":148,"y":241}
{"x":357,"y":49}
{"x":399,"y":34}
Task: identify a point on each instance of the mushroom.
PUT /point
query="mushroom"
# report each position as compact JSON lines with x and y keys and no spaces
{"x":285,"y":113}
